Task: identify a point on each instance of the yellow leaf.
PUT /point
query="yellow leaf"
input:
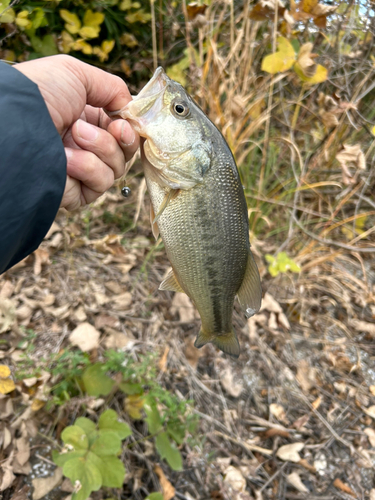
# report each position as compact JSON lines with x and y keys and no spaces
{"x":67,"y":42}
{"x":37,"y":404}
{"x":309,"y":5}
{"x":8,"y":16}
{"x":107,"y":46}
{"x":6,"y":385}
{"x":85,"y":47}
{"x":89,"y":31}
{"x":373,"y":130}
{"x":128,"y":39}
{"x":93,"y":18}
{"x":73,"y":24}
{"x":133,"y":406}
{"x":22,"y":19}
{"x":4,"y":371}
{"x":320,"y":75}
{"x":282,"y":60}
{"x":103,"y":51}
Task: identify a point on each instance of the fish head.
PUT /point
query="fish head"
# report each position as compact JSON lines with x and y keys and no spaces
{"x":177,"y":132}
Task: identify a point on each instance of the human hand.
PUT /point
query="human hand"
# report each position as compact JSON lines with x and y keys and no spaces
{"x":96,"y":147}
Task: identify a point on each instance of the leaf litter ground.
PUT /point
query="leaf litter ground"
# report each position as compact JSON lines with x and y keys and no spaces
{"x":293,"y":418}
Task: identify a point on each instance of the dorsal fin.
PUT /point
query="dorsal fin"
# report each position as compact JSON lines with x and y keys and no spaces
{"x":170,"y":283}
{"x":250,"y":292}
{"x":154,"y":226}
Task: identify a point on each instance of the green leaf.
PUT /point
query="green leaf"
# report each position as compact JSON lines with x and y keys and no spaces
{"x":96,"y":382}
{"x":168,"y":451}
{"x":111,"y":469}
{"x":109,"y":420}
{"x":76,"y":437}
{"x":61,"y":458}
{"x":45,"y":46}
{"x":107,"y":443}
{"x":130,"y":388}
{"x":177,"y":431}
{"x":153,"y":418}
{"x":281,"y":264}
{"x":89,"y":427}
{"x":155,"y":496}
{"x":87,"y":473}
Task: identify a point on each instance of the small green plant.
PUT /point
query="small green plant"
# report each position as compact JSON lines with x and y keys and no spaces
{"x":90,"y":455}
{"x":281,"y":264}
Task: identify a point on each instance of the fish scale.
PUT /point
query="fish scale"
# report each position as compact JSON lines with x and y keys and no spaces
{"x":201,"y":209}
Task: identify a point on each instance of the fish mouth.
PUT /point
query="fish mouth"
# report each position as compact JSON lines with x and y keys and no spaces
{"x":147,"y":103}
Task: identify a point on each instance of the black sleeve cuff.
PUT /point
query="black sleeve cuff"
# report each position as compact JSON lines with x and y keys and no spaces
{"x":32,"y":167}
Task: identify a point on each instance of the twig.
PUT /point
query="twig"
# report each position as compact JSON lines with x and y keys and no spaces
{"x":246,"y":446}
{"x":273,"y":477}
{"x":334,"y":243}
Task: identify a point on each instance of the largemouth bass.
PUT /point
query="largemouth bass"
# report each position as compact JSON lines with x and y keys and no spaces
{"x":198,"y":206}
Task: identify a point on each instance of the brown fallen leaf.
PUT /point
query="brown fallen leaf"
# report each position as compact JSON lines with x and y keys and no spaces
{"x":85,"y":336}
{"x":232,"y":387}
{"x":7,"y":290}
{"x":7,"y":469}
{"x":295,"y":480}
{"x":370,"y":411}
{"x":289,"y":452}
{"x":7,"y":314}
{"x":43,"y":485}
{"x":307,"y":466}
{"x":163,"y":360}
{"x":305,"y":375}
{"x":234,"y":478}
{"x":168,"y":490}
{"x":370,"y":433}
{"x":337,"y":483}
{"x":372,"y":389}
{"x":277,"y":411}
{"x":41,"y":256}
{"x":192,"y":353}
{"x":352,"y":160}
{"x":122,"y":301}
{"x":182,"y":305}
{"x":315,"y":404}
{"x":118,"y":340}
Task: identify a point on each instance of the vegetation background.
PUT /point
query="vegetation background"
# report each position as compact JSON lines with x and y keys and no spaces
{"x":86,"y":337}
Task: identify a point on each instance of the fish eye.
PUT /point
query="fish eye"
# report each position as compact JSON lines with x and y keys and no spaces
{"x":180,"y":109}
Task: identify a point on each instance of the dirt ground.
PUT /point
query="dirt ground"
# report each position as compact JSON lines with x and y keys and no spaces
{"x":292,"y":418}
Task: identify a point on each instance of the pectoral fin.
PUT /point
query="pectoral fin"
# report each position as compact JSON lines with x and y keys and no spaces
{"x":154,"y":226}
{"x":167,"y":198}
{"x":170,"y":283}
{"x":250,"y":293}
{"x":226,"y":342}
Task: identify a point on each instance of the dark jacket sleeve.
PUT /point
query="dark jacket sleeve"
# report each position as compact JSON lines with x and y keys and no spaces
{"x":32,"y":167}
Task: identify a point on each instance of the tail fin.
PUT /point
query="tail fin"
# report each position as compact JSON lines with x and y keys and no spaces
{"x":226,"y":342}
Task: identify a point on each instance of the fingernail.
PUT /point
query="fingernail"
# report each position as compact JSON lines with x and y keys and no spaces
{"x":127,"y":135}
{"x":86,"y":131}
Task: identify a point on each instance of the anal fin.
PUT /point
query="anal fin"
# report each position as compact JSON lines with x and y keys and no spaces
{"x":170,"y":283}
{"x":250,"y":292}
{"x":154,"y":226}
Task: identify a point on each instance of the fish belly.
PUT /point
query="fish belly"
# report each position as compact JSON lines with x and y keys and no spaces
{"x":205,"y":233}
